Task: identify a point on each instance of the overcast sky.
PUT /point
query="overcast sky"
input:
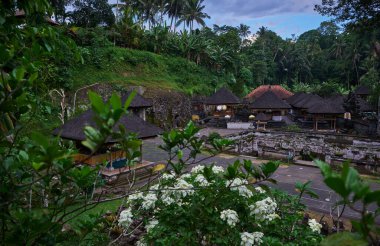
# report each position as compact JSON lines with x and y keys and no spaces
{"x":285,"y":17}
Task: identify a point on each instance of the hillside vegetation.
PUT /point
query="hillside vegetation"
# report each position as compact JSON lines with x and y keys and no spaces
{"x":126,"y":67}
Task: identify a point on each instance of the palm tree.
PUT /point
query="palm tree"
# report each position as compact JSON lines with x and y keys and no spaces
{"x":193,"y":11}
{"x":174,"y":9}
{"x":244,"y":30}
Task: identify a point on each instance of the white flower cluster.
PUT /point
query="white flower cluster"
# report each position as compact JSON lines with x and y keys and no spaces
{"x":217,"y":169}
{"x":136,"y":196}
{"x":151,"y":225}
{"x":126,"y":218}
{"x":264,"y":209}
{"x":184,"y":188}
{"x":230,"y":216}
{"x":197,"y":169}
{"x":166,"y":198}
{"x":250,"y":239}
{"x":167,"y":176}
{"x":186,"y":176}
{"x":149,"y":201}
{"x":260,"y":190}
{"x":315,"y":226}
{"x":239,"y":185}
{"x":201,"y":180}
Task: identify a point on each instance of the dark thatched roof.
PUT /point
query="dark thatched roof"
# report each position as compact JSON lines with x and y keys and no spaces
{"x":262,"y":117}
{"x":362,"y":90}
{"x":365,"y":106}
{"x":326,"y":106}
{"x":221,"y":97}
{"x":295,"y":97}
{"x":269,"y":100}
{"x":74,"y":128}
{"x":138,"y":101}
{"x":306,"y":101}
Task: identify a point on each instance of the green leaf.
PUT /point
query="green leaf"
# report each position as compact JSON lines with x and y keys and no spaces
{"x":37,"y":165}
{"x":373,"y":196}
{"x":96,"y":102}
{"x":40,"y":139}
{"x":18,"y":73}
{"x":269,"y":168}
{"x":337,"y":184}
{"x":129,"y":99}
{"x":115,"y":101}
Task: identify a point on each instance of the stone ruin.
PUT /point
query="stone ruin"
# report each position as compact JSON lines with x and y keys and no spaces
{"x":332,"y":148}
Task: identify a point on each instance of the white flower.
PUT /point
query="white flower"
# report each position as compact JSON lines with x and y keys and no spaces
{"x":184,"y":188}
{"x":217,"y":169}
{"x":264,"y":209}
{"x":167,"y":199}
{"x":238,"y":184}
{"x":230,"y":216}
{"x":201,"y":180}
{"x":151,"y":225}
{"x":197,"y":169}
{"x":185,"y":176}
{"x":155,"y":187}
{"x":149,"y":201}
{"x":271,"y":217}
{"x":136,"y":196}
{"x":141,"y":243}
{"x":167,"y":176}
{"x":260,"y":190}
{"x":315,"y":226}
{"x":250,"y":239}
{"x":125,"y":218}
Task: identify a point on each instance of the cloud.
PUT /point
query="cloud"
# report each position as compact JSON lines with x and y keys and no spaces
{"x":226,"y":11}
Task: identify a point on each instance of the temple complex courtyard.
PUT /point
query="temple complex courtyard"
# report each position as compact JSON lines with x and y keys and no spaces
{"x":286,"y":176}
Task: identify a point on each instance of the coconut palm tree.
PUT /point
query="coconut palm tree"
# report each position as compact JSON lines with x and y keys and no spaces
{"x":193,"y":11}
{"x":174,"y":9}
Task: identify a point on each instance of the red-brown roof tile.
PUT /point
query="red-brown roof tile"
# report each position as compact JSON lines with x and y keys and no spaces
{"x":278,"y":90}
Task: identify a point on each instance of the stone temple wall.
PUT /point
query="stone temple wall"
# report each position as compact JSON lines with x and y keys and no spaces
{"x":332,"y":148}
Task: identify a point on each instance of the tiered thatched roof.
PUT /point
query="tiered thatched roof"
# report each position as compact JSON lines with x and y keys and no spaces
{"x":278,"y":90}
{"x":295,"y":97}
{"x":222,"y":97}
{"x":74,"y":128}
{"x":306,"y":100}
{"x":269,"y":100}
{"x":326,"y":106}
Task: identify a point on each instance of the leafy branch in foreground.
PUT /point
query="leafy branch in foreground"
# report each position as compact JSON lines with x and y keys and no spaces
{"x":358,"y":196}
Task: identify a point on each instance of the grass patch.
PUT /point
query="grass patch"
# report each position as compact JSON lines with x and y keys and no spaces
{"x":134,"y":67}
{"x":99,"y":209}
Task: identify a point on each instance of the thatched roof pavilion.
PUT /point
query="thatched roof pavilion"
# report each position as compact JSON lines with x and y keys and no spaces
{"x":74,"y":128}
{"x":222,"y":97}
{"x":326,"y":110}
{"x":269,"y":100}
{"x":305,"y":101}
{"x":222,"y":103}
{"x":295,"y":97}
{"x":278,"y":90}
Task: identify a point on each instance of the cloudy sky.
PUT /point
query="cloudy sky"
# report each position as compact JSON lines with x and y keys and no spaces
{"x":285,"y":17}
